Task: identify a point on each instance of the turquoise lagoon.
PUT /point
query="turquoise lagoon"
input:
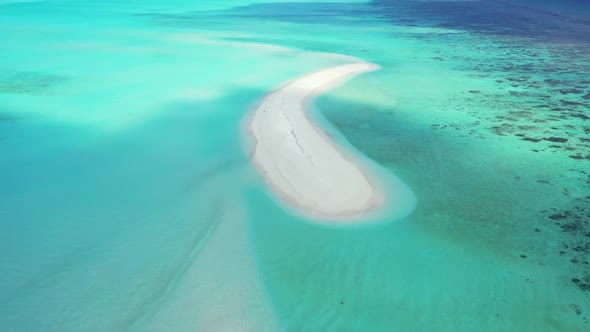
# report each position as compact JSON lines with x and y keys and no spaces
{"x":128,"y":201}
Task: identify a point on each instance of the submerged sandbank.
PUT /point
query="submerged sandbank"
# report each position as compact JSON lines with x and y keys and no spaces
{"x":300,"y":162}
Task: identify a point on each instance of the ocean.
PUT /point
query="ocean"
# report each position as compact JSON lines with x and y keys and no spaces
{"x":128,"y":201}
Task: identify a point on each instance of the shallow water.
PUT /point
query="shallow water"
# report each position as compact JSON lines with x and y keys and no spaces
{"x":128,"y":202}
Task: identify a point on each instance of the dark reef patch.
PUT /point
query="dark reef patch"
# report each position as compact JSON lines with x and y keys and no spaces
{"x":580,"y":157}
{"x":570,"y":91}
{"x":31,"y":83}
{"x":556,"y":139}
{"x":531,"y":139}
{"x":575,"y":222}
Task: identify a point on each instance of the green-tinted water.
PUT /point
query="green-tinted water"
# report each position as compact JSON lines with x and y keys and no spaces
{"x":128,"y":202}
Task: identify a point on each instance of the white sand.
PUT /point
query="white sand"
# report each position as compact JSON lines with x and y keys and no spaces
{"x":299,"y":161}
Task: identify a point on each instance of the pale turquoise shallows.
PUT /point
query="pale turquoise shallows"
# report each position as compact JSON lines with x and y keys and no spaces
{"x":128,"y":201}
